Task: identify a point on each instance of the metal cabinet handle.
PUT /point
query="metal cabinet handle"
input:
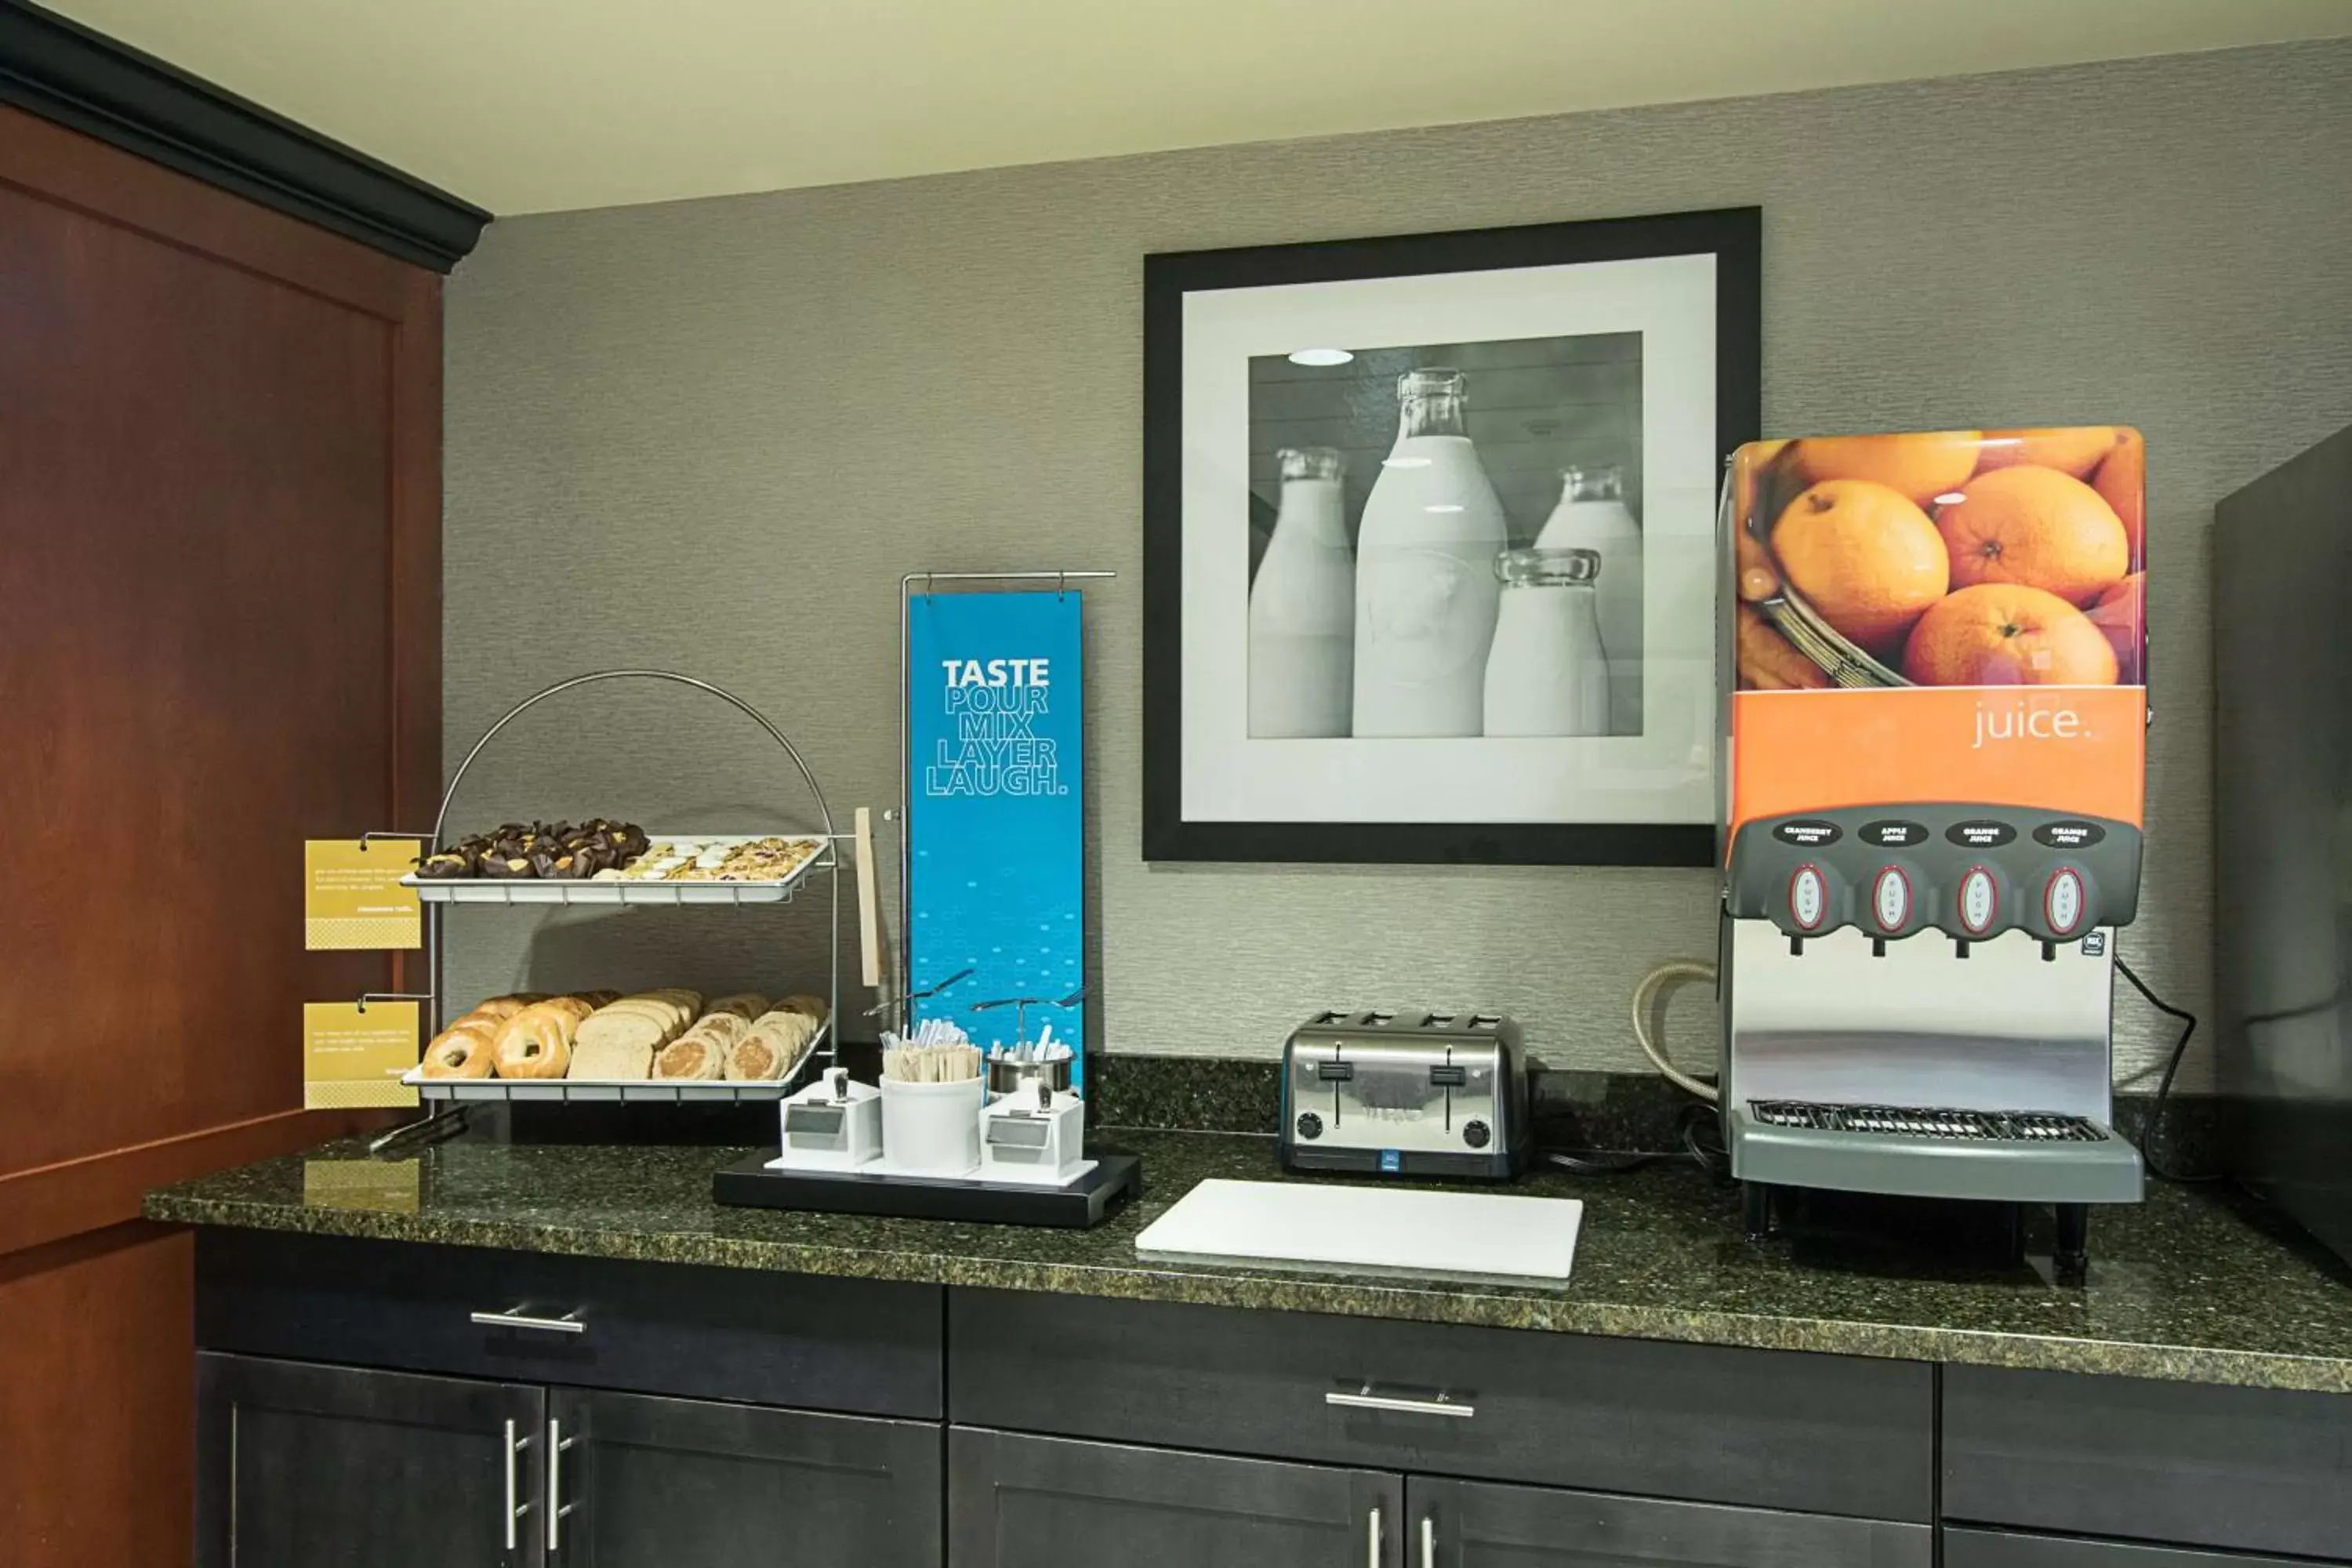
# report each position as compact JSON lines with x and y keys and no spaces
{"x":1428,"y":1540}
{"x":1443,"y":1404}
{"x":515,"y":1511}
{"x":556,"y":1507}
{"x":1372,"y":1540}
{"x":516,"y":1318}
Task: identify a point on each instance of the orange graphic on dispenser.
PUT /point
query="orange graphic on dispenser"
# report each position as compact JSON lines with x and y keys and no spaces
{"x":2064,"y":749}
{"x":1939,"y":615}
{"x":1941,"y":558}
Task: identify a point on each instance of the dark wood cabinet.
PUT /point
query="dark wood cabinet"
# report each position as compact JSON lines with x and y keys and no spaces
{"x":1786,"y":1429}
{"x":356,"y":1410}
{"x":2001,"y":1549}
{"x":644,"y":1482}
{"x":1015,"y":1501}
{"x":2239,"y":1469}
{"x":1470,"y":1525}
{"x":329,"y":1466}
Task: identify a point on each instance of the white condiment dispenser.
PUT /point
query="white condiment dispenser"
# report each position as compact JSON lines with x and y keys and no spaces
{"x":833,"y":1124}
{"x":1033,"y":1132}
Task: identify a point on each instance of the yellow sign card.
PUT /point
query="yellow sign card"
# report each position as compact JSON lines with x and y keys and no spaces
{"x":352,"y":895}
{"x":352,"y":1059}
{"x":393,"y":1186}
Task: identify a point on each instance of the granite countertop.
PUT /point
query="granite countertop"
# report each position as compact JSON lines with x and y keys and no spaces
{"x":2195,"y":1285}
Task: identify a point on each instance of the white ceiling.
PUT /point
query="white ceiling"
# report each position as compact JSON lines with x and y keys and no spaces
{"x":536,"y":105}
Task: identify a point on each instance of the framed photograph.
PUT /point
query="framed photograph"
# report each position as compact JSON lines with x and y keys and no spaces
{"x":1430,"y":560}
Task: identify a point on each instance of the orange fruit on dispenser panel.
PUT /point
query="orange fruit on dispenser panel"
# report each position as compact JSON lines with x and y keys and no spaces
{"x":2038,"y":527}
{"x":2006,"y":634}
{"x":1920,"y":466}
{"x":2073,"y":450}
{"x":2121,"y":615}
{"x":2122,"y":483}
{"x":1866,"y":559}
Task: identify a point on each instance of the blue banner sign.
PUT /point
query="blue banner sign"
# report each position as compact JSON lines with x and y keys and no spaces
{"x":996,"y":814}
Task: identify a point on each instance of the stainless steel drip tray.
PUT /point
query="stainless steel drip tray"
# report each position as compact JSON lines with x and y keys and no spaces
{"x":1924,"y":1152}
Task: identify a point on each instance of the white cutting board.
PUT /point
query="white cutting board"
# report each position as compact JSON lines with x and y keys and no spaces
{"x":1385,"y":1230}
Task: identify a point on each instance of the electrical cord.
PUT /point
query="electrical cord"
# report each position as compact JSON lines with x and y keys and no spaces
{"x":2154,"y":1133}
{"x":1693,"y":1119}
{"x":1678,"y":969}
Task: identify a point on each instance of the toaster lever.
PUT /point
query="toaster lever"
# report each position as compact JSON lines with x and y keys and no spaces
{"x":1451,"y":1075}
{"x":1335,"y":1072}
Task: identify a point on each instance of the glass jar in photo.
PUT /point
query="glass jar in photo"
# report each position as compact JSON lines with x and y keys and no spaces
{"x":1592,"y":515}
{"x":1426,"y":588}
{"x":1546,"y":674}
{"x":1302,"y":606}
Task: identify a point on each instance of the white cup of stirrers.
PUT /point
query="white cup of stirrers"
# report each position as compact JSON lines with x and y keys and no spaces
{"x":931,"y":1095}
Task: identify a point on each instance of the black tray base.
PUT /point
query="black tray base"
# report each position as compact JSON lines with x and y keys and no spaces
{"x":748,"y":1183}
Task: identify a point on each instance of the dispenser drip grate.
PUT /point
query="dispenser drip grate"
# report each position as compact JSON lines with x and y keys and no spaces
{"x":1916,"y":1122}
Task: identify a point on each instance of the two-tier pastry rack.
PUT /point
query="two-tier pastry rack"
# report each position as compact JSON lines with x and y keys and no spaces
{"x":450,"y":1097}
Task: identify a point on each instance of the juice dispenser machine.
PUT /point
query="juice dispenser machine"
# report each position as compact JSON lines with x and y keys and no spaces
{"x":1932,"y":829}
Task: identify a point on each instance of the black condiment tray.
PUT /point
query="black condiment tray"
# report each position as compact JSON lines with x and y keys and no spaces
{"x":748,"y":1183}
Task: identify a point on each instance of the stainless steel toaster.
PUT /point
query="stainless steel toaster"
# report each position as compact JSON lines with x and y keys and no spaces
{"x":1409,"y":1093}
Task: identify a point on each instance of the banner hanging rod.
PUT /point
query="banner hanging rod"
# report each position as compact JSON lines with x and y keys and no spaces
{"x":907,"y":582}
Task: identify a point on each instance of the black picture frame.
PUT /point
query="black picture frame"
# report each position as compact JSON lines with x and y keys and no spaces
{"x":1734,"y":236}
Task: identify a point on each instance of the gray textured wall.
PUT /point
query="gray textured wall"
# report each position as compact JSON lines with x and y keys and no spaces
{"x":712,"y":435}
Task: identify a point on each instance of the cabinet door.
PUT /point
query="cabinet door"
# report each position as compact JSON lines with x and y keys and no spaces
{"x":1016,"y":1501}
{"x":645,"y":1482}
{"x":327,"y":1466}
{"x":2000,"y":1549}
{"x":1465,"y":1524}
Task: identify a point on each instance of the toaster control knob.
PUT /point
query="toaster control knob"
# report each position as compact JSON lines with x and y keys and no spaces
{"x":1309,"y":1124}
{"x":1477,"y":1134}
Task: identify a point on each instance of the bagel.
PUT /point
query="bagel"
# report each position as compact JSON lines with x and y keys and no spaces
{"x":461,"y":1050}
{"x":501,"y":1008}
{"x":536,"y":1043}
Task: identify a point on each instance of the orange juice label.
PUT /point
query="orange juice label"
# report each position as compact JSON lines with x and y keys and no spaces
{"x":2079,"y":748}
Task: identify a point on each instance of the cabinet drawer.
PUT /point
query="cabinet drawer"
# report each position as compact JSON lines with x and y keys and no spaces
{"x":1015,"y":1501}
{"x":1775,"y":1429}
{"x":1997,"y":1548}
{"x":641,"y":1479}
{"x":864,"y":1346}
{"x":2247,"y":1469}
{"x":1472,"y":1524}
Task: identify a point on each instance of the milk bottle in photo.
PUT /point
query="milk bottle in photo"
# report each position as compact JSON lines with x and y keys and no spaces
{"x":1591,"y":515}
{"x":1425,"y":585}
{"x":1546,"y":675}
{"x":1302,"y":606}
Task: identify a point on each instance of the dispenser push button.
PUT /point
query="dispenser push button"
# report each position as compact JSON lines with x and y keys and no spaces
{"x":1890,"y":900}
{"x":1809,"y":899}
{"x":1979,"y":901}
{"x":2062,"y":902}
